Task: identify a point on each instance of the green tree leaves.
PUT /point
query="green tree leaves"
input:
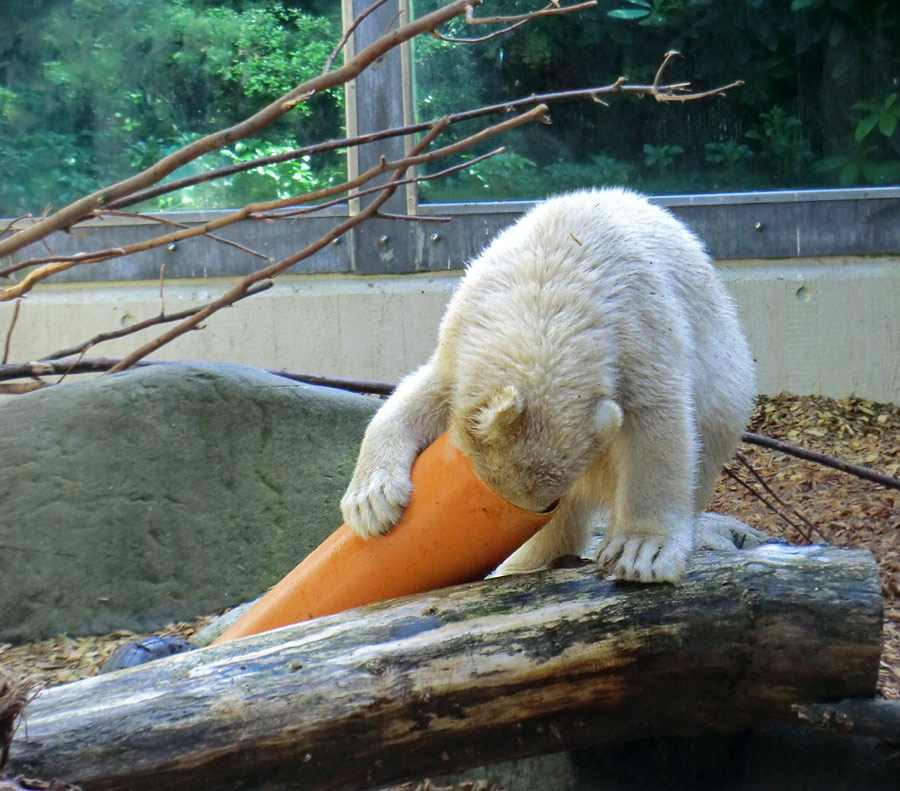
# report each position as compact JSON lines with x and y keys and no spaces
{"x":94,"y":89}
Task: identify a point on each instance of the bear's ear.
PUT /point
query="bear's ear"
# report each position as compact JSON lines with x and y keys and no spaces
{"x":491,"y":419}
{"x":607,"y":420}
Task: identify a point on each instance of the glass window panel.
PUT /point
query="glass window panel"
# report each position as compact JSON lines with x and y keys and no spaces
{"x":819,"y":107}
{"x":92,"y":91}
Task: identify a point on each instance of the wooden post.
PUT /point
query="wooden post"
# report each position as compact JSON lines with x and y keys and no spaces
{"x":380,"y":98}
{"x":499,"y":669}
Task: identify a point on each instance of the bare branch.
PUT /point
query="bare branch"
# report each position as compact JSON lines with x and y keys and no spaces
{"x":731,"y":474}
{"x":821,"y":458}
{"x":162,"y":318}
{"x":271,"y":271}
{"x":672,"y":53}
{"x":412,"y":217}
{"x":285,"y":215}
{"x":99,"y":256}
{"x":551,"y":8}
{"x":662,"y":92}
{"x":762,"y":482}
{"x":517,"y":21}
{"x":35,"y":276}
{"x":83,"y":207}
{"x":348,"y":32}
{"x":9,"y":332}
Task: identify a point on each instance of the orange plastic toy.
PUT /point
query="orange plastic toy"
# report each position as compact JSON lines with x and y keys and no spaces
{"x":455,"y":529}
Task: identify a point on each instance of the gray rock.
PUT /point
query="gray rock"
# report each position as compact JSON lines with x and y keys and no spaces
{"x":163,"y":493}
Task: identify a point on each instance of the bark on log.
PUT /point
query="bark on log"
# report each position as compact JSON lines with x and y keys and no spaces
{"x":495,"y":670}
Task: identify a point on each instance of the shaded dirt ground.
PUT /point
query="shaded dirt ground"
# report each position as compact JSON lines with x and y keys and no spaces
{"x":844,"y":510}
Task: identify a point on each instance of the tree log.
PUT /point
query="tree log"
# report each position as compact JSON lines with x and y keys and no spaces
{"x":499,"y":669}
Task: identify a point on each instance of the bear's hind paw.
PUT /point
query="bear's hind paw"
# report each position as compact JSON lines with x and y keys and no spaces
{"x":371,"y":508}
{"x":645,"y":559}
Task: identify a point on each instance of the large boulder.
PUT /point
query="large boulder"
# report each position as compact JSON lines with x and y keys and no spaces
{"x":162,"y":493}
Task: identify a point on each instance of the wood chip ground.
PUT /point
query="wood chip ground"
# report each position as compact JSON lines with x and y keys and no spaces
{"x":844,"y":510}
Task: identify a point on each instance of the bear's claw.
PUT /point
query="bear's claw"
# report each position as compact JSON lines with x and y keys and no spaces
{"x":372,"y":506}
{"x":644,"y":559}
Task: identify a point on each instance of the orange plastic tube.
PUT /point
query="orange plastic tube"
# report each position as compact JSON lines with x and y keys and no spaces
{"x":456,"y":529}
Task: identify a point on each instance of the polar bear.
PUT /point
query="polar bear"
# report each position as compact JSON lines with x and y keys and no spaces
{"x":590,"y":357}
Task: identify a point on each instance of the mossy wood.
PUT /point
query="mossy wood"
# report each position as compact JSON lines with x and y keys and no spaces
{"x":494,"y":670}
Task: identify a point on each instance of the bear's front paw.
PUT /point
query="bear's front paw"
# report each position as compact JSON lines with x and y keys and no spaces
{"x":643,"y":558}
{"x":374,"y":503}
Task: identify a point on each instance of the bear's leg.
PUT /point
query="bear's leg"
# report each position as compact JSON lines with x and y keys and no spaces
{"x":410,"y":420}
{"x":724,"y":400}
{"x":652,"y":521}
{"x":567,"y":533}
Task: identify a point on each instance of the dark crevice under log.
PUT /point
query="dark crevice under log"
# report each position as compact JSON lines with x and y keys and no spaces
{"x":505,"y":668}
{"x":879,"y":719}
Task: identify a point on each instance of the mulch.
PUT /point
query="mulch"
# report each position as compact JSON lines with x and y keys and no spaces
{"x":820,"y":505}
{"x":825,"y":505}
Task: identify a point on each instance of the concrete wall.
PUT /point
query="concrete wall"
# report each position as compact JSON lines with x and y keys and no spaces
{"x":816,"y":325}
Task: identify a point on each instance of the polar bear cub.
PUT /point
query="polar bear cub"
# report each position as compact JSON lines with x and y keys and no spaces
{"x":590,"y":357}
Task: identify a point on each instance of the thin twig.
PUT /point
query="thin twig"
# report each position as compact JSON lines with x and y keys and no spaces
{"x":592,"y":94}
{"x":47,"y":270}
{"x":9,"y":332}
{"x":9,"y":226}
{"x":69,"y":369}
{"x":478,"y":39}
{"x":517,"y":21}
{"x":284,"y":215}
{"x":821,"y":458}
{"x":672,"y":53}
{"x":163,"y":318}
{"x":731,"y":474}
{"x":412,"y":218}
{"x":551,"y":8}
{"x":99,"y":256}
{"x":348,"y":32}
{"x":762,"y":482}
{"x":398,"y":168}
{"x":83,"y":207}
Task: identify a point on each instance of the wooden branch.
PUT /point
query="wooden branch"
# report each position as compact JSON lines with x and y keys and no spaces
{"x":879,"y":719}
{"x":83,"y":207}
{"x":161,"y":318}
{"x":348,"y":32}
{"x":773,"y":508}
{"x":774,"y":495}
{"x":821,"y":458}
{"x":500,"y":669}
{"x":619,"y":86}
{"x":417,"y":179}
{"x":399,"y":166}
{"x":9,"y":331}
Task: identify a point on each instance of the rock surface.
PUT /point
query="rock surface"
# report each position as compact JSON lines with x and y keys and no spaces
{"x":131,"y":500}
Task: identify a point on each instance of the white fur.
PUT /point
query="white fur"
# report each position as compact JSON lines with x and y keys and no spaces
{"x":590,"y":356}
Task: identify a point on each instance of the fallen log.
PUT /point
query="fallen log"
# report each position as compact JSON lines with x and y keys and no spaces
{"x":500,"y":669}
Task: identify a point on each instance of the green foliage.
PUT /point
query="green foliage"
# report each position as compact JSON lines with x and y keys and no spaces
{"x":819,"y":107}
{"x":267,"y":182}
{"x":95,"y":89}
{"x":883,"y":115}
{"x":661,"y":157}
{"x":649,"y":12}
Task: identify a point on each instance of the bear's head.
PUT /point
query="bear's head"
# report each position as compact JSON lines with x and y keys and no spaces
{"x":531,"y":453}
